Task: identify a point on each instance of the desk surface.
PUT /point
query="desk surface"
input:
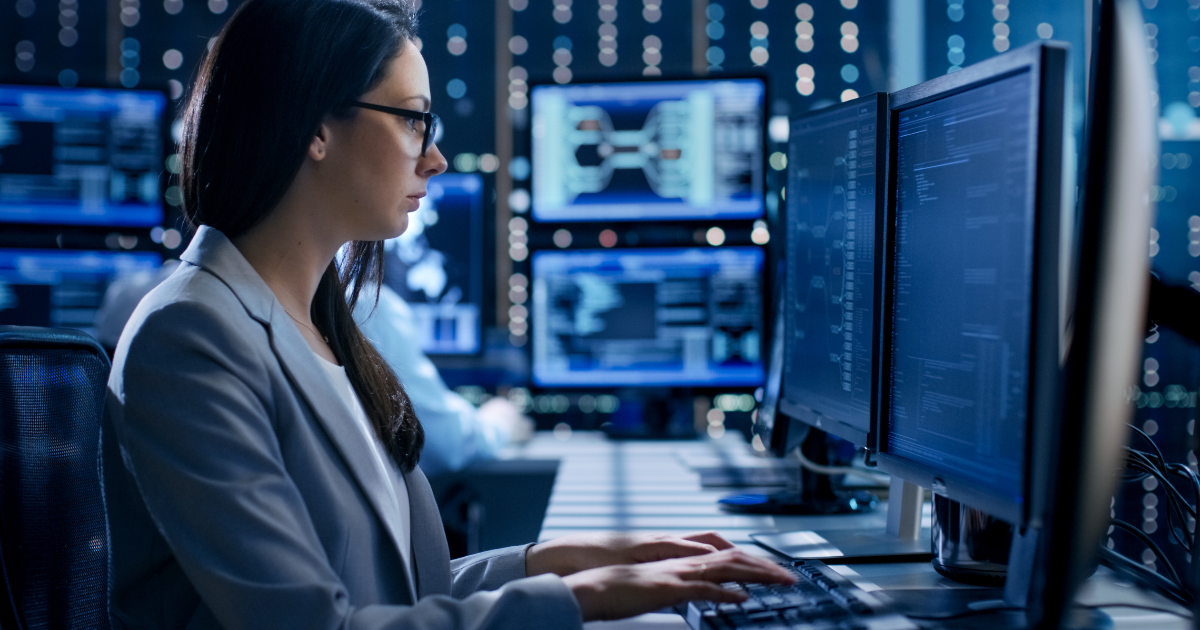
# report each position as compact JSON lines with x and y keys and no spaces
{"x":648,"y":487}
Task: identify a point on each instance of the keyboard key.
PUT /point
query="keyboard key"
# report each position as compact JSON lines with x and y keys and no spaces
{"x":815,"y":602}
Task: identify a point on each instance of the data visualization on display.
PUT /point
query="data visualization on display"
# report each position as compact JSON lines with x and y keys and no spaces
{"x":61,"y":288}
{"x":648,"y":151}
{"x":653,"y":317}
{"x":831,"y":310}
{"x":963,"y":283}
{"x":81,"y":156}
{"x":437,"y":264}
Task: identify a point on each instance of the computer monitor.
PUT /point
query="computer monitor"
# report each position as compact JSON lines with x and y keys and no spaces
{"x":835,"y":208}
{"x":73,"y":156}
{"x":836,"y":217}
{"x":649,"y":150}
{"x":62,"y":289}
{"x":807,"y":492}
{"x":1103,"y":362}
{"x":828,"y":351}
{"x":648,"y":317}
{"x":437,"y":264}
{"x":972,"y":328}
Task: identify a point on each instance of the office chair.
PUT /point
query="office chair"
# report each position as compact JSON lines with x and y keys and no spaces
{"x":53,"y":529}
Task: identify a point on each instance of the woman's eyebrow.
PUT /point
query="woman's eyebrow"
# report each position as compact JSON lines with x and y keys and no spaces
{"x":424,"y":100}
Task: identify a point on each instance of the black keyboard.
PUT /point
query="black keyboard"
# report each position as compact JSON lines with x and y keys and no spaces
{"x":820,"y":599}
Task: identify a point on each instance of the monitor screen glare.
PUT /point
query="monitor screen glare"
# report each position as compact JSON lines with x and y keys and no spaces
{"x":80,"y":156}
{"x":960,"y":347}
{"x":648,"y":151}
{"x":686,"y":317}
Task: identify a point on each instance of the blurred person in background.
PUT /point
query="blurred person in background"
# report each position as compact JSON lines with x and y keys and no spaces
{"x":456,"y":432}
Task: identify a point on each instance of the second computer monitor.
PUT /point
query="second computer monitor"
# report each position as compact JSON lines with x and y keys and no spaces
{"x":649,"y":150}
{"x":972,"y":335}
{"x":834,"y":204}
{"x":648,"y":317}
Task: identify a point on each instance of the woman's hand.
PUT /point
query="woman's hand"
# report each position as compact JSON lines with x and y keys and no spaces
{"x":623,"y":591}
{"x":572,"y":554}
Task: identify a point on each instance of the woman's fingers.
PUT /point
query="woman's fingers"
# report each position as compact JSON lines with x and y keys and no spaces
{"x":621,"y":591}
{"x":678,"y":548}
{"x":738,"y":572}
{"x":692,"y":591}
{"x":710,"y":538}
{"x":736,"y":566}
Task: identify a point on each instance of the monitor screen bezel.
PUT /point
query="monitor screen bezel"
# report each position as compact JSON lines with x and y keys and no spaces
{"x":762,"y":79}
{"x":787,"y":406}
{"x":1046,"y":64}
{"x":170,"y":111}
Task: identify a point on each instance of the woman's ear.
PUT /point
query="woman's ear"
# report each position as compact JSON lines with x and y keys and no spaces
{"x":320,"y":143}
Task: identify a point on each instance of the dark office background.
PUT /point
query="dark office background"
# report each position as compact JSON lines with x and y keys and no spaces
{"x":483,"y":56}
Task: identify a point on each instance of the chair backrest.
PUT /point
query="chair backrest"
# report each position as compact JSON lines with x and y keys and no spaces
{"x":53,"y":529}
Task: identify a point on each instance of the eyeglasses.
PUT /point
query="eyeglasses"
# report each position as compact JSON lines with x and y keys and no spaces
{"x":431,"y":120}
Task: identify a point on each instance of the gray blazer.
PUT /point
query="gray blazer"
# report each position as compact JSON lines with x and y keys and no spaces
{"x":240,"y":494}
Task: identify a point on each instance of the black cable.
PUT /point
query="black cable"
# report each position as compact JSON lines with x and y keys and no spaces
{"x":1139,"y":572}
{"x":1166,"y":611}
{"x":1178,"y":503}
{"x":1139,"y":466}
{"x":1146,"y":540}
{"x":1178,"y":506}
{"x":1146,"y":436}
{"x":1192,"y":476}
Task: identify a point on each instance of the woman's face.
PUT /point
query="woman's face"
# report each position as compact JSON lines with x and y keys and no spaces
{"x":374,"y":159}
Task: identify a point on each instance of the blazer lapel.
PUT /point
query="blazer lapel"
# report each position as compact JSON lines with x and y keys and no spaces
{"x":430,"y":553}
{"x":213,"y":251}
{"x":299,"y":361}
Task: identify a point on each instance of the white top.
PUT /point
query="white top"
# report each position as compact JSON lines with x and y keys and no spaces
{"x":399,"y":495}
{"x":456,"y":434}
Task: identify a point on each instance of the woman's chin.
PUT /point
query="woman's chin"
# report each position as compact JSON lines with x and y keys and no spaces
{"x":385,"y":232}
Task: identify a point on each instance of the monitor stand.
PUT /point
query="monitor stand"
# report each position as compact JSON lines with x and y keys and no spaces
{"x":1005,"y":603}
{"x":904,"y":540}
{"x":814,"y":495}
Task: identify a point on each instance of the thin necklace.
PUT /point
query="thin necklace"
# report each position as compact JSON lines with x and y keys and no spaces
{"x":289,"y":314}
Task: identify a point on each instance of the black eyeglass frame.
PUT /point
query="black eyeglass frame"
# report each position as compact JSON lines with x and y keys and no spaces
{"x":430,"y":119}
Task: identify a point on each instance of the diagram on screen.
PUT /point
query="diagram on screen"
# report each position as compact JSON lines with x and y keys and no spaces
{"x":643,"y":151}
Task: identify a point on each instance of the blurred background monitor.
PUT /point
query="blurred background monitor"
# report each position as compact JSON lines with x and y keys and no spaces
{"x":437,"y":264}
{"x":81,"y":156}
{"x":649,"y":150}
{"x":836,"y":172}
{"x":62,"y":289}
{"x":648,"y":317}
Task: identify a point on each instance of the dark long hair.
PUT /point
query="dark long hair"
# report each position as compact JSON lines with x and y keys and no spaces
{"x":275,"y":71}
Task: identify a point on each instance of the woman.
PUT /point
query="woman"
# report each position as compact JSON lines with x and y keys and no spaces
{"x":260,"y":457}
